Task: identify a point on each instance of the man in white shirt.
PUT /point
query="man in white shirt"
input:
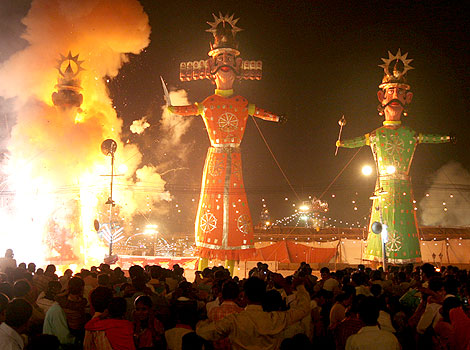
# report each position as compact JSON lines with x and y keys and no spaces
{"x":253,"y":328}
{"x":18,"y":313}
{"x":371,"y":337}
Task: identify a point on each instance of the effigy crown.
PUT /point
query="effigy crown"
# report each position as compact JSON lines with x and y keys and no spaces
{"x":224,"y":30}
{"x":396,"y":76}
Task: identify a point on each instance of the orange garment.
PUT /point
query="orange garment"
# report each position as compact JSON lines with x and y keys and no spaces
{"x":224,"y":228}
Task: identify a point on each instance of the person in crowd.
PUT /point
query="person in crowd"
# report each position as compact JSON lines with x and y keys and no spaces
{"x":350,"y":325}
{"x":327,"y":282}
{"x":119,"y":331}
{"x":99,"y":301}
{"x":371,"y":336}
{"x":41,"y":280}
{"x":46,"y":299}
{"x":73,"y":303}
{"x":253,"y":327}
{"x":17,"y":315}
{"x":185,"y":312}
{"x":460,"y":322}
{"x":148,"y":330}
{"x":64,"y":280}
{"x":338,"y":310}
{"x":7,"y":262}
{"x":444,"y":335}
{"x":230,"y":292}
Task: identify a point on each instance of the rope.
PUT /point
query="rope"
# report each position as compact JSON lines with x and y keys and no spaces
{"x":275,"y":159}
{"x":339,"y":174}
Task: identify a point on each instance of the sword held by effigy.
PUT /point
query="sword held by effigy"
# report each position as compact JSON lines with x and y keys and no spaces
{"x":341,"y":122}
{"x":165,"y":91}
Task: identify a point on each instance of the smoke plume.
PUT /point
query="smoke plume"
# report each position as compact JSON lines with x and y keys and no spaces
{"x":54,"y":153}
{"x":138,"y":126}
{"x":447,"y":202}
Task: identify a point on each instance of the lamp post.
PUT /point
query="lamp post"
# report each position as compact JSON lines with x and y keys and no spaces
{"x":108,"y":148}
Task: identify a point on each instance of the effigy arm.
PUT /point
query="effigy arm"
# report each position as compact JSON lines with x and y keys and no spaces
{"x":434,"y":138}
{"x":262,"y":114}
{"x":355,"y":142}
{"x":194,"y":109}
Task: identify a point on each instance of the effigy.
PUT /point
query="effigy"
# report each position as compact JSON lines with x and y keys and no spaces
{"x":393,"y":146}
{"x":223,"y":226}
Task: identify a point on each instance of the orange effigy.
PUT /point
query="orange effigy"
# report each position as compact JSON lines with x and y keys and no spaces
{"x":223,"y":227}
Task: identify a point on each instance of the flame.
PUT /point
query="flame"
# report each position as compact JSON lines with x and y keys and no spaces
{"x":54,"y":164}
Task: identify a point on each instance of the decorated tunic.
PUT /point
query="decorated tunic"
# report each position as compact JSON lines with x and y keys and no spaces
{"x":223,"y":226}
{"x":393,"y":147}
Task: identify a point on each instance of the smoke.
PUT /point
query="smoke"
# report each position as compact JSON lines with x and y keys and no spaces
{"x":173,"y":127}
{"x":55,"y":152}
{"x":447,"y":202}
{"x":138,"y":126}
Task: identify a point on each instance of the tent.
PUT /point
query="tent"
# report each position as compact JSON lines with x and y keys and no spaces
{"x":291,"y":252}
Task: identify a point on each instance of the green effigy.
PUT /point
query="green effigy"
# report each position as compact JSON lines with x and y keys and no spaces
{"x":393,"y":146}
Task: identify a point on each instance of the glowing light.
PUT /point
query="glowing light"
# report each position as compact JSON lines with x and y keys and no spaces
{"x":366,"y":170}
{"x":304,"y":207}
{"x":391,"y":169}
{"x":122,"y":169}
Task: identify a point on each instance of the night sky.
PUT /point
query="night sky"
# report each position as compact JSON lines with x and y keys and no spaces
{"x":320,"y":61}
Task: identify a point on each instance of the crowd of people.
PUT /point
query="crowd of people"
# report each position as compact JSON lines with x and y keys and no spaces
{"x":150,"y":307}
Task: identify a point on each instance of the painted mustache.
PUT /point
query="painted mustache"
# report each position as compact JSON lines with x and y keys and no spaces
{"x":225,"y":69}
{"x":394,"y":101}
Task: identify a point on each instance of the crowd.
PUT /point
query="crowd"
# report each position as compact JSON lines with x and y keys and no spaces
{"x":150,"y":307}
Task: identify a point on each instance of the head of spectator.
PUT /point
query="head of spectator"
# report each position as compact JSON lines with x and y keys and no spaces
{"x":89,"y":278}
{"x":272,"y":301}
{"x":207,"y":273}
{"x":105,"y":268}
{"x":117,"y":307}
{"x":451,"y":285}
{"x":344,"y":299}
{"x":136,"y":271}
{"x":9,"y":254}
{"x":17,"y":314}
{"x":21,"y":289}
{"x":7,"y":289}
{"x":22,"y":266}
{"x":255,"y":290}
{"x":100,"y":298}
{"x":103,"y":280}
{"x":325,"y":273}
{"x":53,"y":288}
{"x":230,"y":291}
{"x":427,"y":271}
{"x":369,"y":311}
{"x":44,"y":341}
{"x":143,"y":306}
{"x":50,"y":270}
{"x":376,"y":289}
{"x":76,"y":286}
{"x":4,"y":300}
{"x":32,"y":267}
{"x":68,"y":273}
{"x":39,"y":272}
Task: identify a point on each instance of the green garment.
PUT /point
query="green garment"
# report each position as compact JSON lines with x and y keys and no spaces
{"x":394,"y":146}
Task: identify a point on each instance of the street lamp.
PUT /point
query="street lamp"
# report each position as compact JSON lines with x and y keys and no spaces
{"x":108,"y":148}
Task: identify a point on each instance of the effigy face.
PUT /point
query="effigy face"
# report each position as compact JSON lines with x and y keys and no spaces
{"x":394,"y":99}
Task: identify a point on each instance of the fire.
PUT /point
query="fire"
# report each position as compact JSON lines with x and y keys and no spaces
{"x":54,"y":167}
